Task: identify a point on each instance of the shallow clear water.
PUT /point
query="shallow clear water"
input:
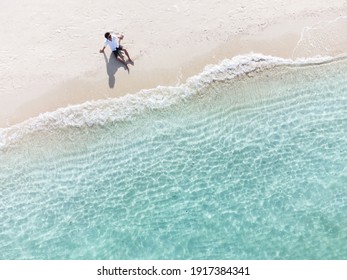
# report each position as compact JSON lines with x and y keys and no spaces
{"x":249,"y":168}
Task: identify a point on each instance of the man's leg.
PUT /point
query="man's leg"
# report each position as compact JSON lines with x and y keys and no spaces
{"x":120,"y":59}
{"x":127,"y":54}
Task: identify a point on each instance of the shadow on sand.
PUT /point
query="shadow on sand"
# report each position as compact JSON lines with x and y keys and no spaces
{"x":112,"y":66}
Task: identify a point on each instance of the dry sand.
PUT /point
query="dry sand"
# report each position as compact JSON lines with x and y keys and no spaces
{"x":50,"y":58}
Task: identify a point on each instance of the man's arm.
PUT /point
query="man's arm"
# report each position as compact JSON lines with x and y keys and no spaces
{"x":120,"y":38}
{"x":102,"y":50}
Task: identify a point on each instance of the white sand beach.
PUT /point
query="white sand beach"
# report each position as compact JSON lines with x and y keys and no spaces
{"x":225,"y":140}
{"x":49,"y":53}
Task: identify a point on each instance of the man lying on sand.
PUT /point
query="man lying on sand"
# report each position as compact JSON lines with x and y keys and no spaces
{"x":114,"y":42}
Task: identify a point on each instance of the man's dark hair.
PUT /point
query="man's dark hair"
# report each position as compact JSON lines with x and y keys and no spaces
{"x":107,"y":34}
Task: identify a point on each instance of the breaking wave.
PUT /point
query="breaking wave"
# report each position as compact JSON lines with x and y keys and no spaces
{"x":100,"y":112}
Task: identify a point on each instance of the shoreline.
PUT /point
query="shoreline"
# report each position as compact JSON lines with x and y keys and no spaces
{"x":160,"y":67}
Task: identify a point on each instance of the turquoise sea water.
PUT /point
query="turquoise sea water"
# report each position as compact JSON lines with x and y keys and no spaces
{"x":248,"y":166}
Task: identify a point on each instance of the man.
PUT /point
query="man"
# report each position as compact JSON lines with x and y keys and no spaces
{"x":113,"y":41}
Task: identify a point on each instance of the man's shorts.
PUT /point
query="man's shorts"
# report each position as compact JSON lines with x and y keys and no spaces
{"x":116,"y":51}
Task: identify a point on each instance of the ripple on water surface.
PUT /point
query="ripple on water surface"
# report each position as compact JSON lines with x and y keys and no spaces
{"x":252,"y":167}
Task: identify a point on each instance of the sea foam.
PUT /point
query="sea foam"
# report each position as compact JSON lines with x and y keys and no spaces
{"x":99,"y":112}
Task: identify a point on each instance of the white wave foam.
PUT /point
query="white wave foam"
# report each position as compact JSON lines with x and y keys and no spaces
{"x":327,"y":36}
{"x":124,"y":108}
